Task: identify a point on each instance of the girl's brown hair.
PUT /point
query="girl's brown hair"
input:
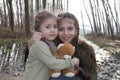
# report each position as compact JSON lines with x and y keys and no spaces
{"x":41,"y":17}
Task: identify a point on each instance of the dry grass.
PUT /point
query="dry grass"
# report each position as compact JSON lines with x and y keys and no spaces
{"x":7,"y":33}
{"x":113,"y":46}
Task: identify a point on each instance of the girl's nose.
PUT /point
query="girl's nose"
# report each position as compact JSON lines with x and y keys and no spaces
{"x":65,"y":32}
{"x":52,"y":29}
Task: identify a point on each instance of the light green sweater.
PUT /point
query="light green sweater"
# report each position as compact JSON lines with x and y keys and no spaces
{"x":40,"y":60}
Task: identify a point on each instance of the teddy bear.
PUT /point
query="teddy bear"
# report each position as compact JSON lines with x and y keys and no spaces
{"x":64,"y":50}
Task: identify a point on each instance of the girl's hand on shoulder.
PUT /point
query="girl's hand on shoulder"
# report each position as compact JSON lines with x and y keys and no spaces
{"x":35,"y":37}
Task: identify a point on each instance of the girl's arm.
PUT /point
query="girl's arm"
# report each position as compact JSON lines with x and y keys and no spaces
{"x":42,"y":51}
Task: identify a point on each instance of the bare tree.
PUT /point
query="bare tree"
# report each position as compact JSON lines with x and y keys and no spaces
{"x":117,"y":19}
{"x":98,"y":17}
{"x":37,"y":5}
{"x":67,"y":5}
{"x":88,"y":17}
{"x":27,"y":19}
{"x":31,"y":13}
{"x":61,"y":5}
{"x":83,"y":23}
{"x":93,"y":17}
{"x":11,"y":17}
{"x":17,"y":11}
{"x":53,"y":5}
{"x":21,"y":15}
{"x":44,"y":4}
{"x":5,"y":15}
{"x":1,"y":18}
{"x":103,"y":21}
{"x":108,"y":21}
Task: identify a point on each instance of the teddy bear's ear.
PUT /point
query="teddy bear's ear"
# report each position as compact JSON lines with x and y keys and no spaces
{"x":60,"y":46}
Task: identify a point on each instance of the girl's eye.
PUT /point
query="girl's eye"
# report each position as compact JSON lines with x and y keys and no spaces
{"x":47,"y":26}
{"x":70,"y":28}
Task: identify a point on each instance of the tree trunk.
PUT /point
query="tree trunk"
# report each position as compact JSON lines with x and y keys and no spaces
{"x":21,"y":18}
{"x":44,"y":4}
{"x":83,"y":23}
{"x":117,"y":19}
{"x":31,"y":13}
{"x":53,"y":5}
{"x":37,"y":6}
{"x":5,"y":16}
{"x":61,"y":5}
{"x":93,"y":17}
{"x":27,"y":19}
{"x":18,"y":17}
{"x":11,"y":17}
{"x":88,"y":17}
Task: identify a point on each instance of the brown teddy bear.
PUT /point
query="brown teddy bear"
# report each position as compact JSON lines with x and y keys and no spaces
{"x":64,"y":51}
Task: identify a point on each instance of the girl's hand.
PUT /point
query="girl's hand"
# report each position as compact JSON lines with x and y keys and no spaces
{"x":35,"y":37}
{"x":76,"y":66}
{"x":76,"y":61}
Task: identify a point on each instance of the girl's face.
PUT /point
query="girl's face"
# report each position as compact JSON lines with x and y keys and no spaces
{"x":49,"y":29}
{"x":66,"y":30}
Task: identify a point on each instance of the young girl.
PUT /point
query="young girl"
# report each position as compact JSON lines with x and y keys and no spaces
{"x":40,"y":59}
{"x":68,"y":31}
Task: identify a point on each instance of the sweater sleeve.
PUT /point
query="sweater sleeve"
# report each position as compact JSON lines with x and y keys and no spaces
{"x":42,"y":51}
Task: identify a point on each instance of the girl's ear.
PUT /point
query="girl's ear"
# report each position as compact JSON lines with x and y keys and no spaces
{"x":76,"y":33}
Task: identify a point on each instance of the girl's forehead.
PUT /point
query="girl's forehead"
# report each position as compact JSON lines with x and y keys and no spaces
{"x":49,"y":19}
{"x":67,"y":20}
{"x":52,"y":17}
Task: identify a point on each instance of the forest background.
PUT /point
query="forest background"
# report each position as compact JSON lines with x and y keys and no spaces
{"x":99,"y":16}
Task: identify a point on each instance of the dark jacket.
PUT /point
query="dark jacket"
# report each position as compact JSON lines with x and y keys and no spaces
{"x":88,"y":63}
